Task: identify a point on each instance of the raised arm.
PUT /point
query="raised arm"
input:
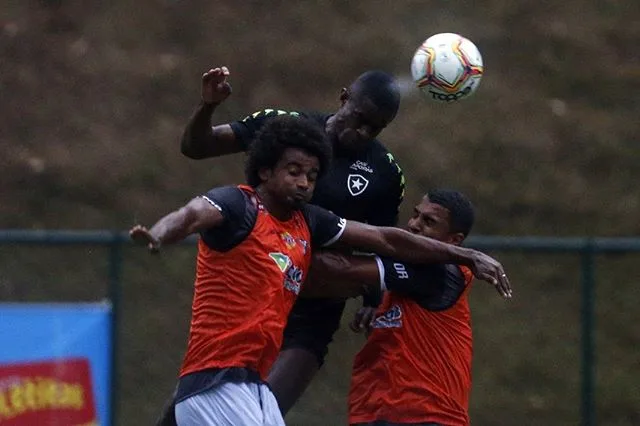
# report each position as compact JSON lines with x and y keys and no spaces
{"x":197,"y":215}
{"x":200,"y":139}
{"x":407,"y":247}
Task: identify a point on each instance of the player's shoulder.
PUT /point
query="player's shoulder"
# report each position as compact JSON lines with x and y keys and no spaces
{"x":234,"y":191}
{"x":274,"y":112}
{"x":230,"y":196}
{"x":382,"y":157}
{"x":310,"y":211}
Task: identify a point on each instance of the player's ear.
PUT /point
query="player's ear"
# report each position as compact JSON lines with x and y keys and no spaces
{"x":344,"y":95}
{"x":456,"y":239}
{"x":265,"y":174}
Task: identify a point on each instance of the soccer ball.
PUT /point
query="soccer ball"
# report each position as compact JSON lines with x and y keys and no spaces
{"x":447,"y":67}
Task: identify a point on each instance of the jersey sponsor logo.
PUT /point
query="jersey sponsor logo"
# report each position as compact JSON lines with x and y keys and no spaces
{"x":304,"y":245}
{"x":357,"y":184}
{"x":390,"y":319}
{"x":361,"y":165}
{"x":288,"y":240}
{"x":282,"y":260}
{"x":293,"y":275}
{"x":293,"y":279}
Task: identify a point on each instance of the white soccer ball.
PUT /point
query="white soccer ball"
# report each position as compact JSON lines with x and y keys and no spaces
{"x":447,"y":67}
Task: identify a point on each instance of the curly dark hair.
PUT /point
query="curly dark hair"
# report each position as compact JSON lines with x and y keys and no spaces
{"x":461,"y":211}
{"x":280,"y":133}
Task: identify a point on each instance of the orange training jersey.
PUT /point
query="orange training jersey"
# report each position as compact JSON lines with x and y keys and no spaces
{"x":416,"y":364}
{"x":248,"y":275}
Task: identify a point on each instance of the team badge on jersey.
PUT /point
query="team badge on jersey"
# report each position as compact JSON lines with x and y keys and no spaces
{"x":390,"y":319}
{"x":288,"y":240}
{"x":357,"y":184}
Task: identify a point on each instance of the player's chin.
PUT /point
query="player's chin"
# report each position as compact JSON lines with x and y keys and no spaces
{"x":297,"y":202}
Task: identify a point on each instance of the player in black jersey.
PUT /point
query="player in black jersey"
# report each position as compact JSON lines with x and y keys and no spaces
{"x":363,"y":183}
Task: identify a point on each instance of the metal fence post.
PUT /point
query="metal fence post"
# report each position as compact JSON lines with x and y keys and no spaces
{"x":115,"y":268}
{"x":587,"y":323}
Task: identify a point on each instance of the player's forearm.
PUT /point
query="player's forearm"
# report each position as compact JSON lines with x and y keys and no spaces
{"x":198,"y":136}
{"x":408,"y":247}
{"x":174,"y":227}
{"x":341,"y":275}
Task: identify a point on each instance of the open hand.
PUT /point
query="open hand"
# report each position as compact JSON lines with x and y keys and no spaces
{"x":488,"y":269}
{"x":215,"y":87}
{"x":142,"y":236}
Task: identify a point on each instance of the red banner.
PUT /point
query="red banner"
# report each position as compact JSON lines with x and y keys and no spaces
{"x":52,"y":393}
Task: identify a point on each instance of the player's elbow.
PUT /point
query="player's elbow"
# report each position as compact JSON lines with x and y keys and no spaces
{"x":188,"y":219}
{"x":188,"y":149}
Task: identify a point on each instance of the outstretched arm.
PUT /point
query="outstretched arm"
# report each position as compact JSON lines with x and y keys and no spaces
{"x":336,"y":274}
{"x":198,"y":215}
{"x":407,"y":247}
{"x":199,"y":139}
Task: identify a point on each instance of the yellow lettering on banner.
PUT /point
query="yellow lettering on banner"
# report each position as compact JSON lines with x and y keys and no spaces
{"x":46,"y":393}
{"x":29,"y":389}
{"x":71,"y":396}
{"x":16,"y":398}
{"x":41,"y":394}
{"x":5,"y":409}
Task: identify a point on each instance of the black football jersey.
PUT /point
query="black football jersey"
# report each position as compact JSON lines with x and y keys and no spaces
{"x":366,"y":186}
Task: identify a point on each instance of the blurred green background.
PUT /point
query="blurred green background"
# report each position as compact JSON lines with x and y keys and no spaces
{"x":95,"y":95}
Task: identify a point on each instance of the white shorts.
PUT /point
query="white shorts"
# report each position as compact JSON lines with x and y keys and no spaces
{"x":231,"y":404}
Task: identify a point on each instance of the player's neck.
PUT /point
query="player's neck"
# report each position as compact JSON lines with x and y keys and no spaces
{"x":275,"y":208}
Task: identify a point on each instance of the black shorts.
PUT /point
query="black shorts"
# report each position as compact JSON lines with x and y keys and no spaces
{"x":312,"y":324}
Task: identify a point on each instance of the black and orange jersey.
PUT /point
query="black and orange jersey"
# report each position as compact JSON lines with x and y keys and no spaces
{"x":366,"y":186}
{"x":248,"y":274}
{"x":416,"y":364}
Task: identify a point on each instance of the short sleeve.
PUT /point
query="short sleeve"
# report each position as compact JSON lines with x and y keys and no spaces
{"x":246,"y":129}
{"x":435,"y":287}
{"x":326,"y":227}
{"x":239,"y":217}
{"x":387,"y":210}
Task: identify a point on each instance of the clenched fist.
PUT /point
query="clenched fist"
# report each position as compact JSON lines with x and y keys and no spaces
{"x":215,"y":87}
